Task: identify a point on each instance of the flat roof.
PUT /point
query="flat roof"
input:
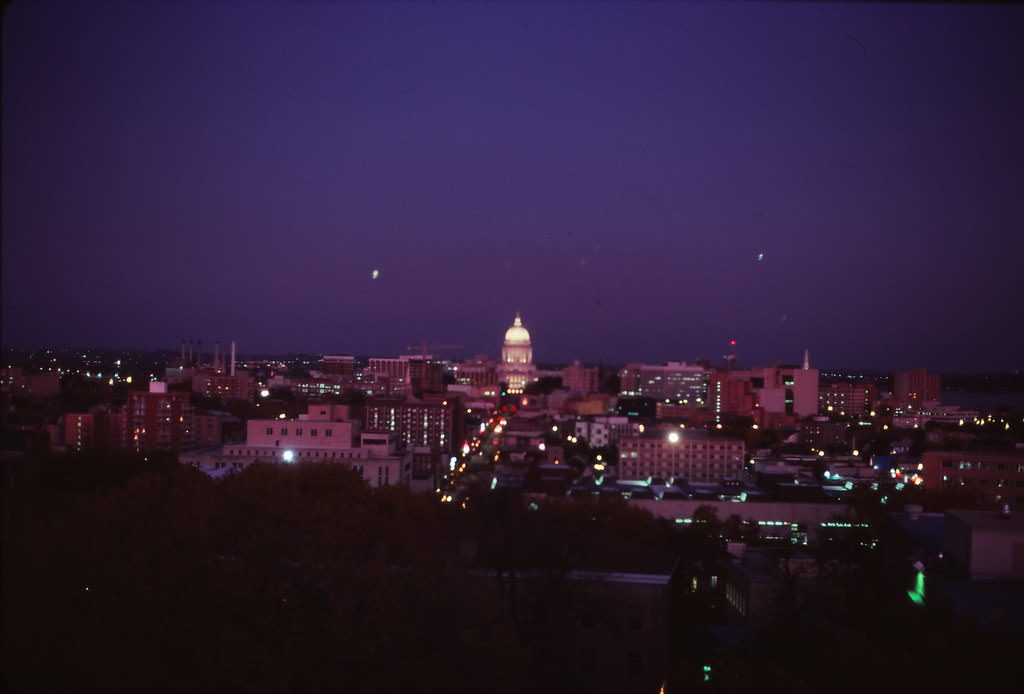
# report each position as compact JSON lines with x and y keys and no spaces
{"x":990,"y":520}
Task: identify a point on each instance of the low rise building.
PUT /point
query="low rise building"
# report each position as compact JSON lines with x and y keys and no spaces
{"x":316,"y":437}
{"x":999,"y":476}
{"x":606,"y":430}
{"x":681,"y":454}
{"x":216,"y":384}
{"x":40,"y":384}
{"x":985,"y":544}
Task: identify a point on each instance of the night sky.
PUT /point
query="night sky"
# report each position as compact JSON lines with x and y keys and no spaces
{"x":642,"y":180}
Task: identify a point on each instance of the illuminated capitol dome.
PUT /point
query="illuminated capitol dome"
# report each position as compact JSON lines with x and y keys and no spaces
{"x":517,"y":357}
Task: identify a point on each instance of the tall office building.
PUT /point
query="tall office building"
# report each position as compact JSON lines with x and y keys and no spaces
{"x":581,"y":379}
{"x":676,"y":381}
{"x":847,"y":398}
{"x":339,"y":365}
{"x":434,"y":423}
{"x":916,"y":387}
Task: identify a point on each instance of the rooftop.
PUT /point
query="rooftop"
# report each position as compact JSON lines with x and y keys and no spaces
{"x":989,"y":520}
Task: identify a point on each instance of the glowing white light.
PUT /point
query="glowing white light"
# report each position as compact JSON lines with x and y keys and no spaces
{"x":288,"y":456}
{"x":375,"y":274}
{"x":673,"y":437}
{"x":264,"y":393}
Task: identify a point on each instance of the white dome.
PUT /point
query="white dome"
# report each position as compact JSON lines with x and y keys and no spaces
{"x":517,"y":334}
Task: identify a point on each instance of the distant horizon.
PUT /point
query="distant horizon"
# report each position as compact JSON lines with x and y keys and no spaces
{"x":239,"y":355}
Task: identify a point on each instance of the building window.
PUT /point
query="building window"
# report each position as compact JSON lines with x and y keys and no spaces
{"x":298,"y":432}
{"x":328,"y":432}
{"x":270,"y":431}
{"x":284,"y":431}
{"x":312,"y":432}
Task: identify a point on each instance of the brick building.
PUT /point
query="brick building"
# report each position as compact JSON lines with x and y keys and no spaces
{"x":159,"y":420}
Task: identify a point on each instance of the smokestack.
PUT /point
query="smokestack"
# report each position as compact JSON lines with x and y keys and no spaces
{"x":183,"y":351}
{"x":199,"y":354}
{"x":216,"y":356}
{"x":232,"y":357}
{"x":190,"y":357}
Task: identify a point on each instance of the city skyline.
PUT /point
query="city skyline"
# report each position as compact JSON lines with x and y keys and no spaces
{"x":642,"y":182}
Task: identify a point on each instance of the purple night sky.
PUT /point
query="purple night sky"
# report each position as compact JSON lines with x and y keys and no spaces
{"x":614,"y":171}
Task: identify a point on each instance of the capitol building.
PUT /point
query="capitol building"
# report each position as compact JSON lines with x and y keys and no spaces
{"x":517,"y":368}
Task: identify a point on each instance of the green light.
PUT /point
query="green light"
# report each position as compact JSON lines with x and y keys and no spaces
{"x":494,"y":482}
{"x":707,"y":673}
{"x":917,"y":594}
